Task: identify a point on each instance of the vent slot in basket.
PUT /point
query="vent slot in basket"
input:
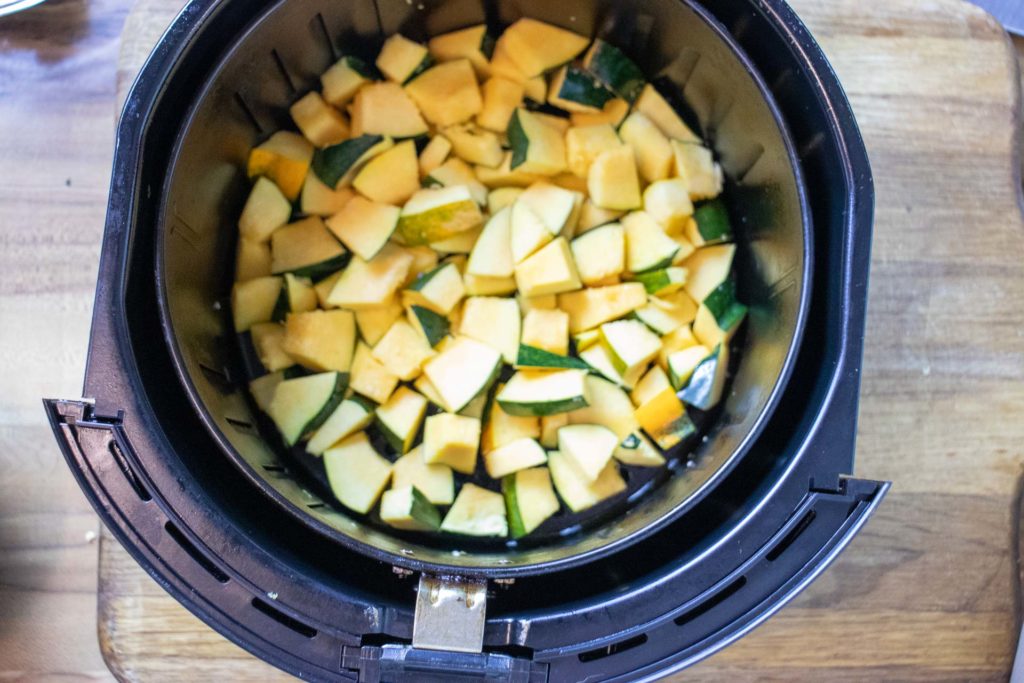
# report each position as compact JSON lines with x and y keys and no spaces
{"x":195,"y":553}
{"x":613,"y":649}
{"x":280,"y":617}
{"x":712,"y":602}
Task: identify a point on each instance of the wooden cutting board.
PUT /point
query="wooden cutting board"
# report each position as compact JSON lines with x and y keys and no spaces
{"x":929,"y":590}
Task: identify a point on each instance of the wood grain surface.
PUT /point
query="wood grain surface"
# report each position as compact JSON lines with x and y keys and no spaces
{"x":57,"y":93}
{"x":928,"y":591}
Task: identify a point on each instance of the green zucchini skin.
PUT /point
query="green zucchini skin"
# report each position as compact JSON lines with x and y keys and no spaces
{"x":703,"y":390}
{"x":614,"y":69}
{"x":713,"y":223}
{"x":518,"y":141}
{"x":532,"y":357}
{"x":724,"y":306}
{"x":318,"y":271}
{"x":332,"y":163}
{"x":542,"y":409}
{"x":435,"y":326}
{"x":583,"y":88}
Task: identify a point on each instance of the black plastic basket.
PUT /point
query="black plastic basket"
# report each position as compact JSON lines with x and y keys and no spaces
{"x":169,"y":455}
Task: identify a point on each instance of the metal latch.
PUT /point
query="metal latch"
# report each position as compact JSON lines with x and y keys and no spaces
{"x":450,"y":614}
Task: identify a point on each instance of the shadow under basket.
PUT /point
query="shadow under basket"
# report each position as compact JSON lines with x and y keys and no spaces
{"x":167,"y":445}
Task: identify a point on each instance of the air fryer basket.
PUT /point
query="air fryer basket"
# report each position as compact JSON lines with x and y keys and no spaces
{"x":304,"y":598}
{"x":280,"y":57}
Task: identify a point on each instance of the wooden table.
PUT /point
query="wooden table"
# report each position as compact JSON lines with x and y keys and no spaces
{"x":928,"y":591}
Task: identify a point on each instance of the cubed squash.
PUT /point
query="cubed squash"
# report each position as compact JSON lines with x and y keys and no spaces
{"x":630,"y":344}
{"x":573,"y":487}
{"x":403,"y":351}
{"x":481,"y":285}
{"x":373,"y":323}
{"x":392,"y":177}
{"x":364,"y":226}
{"x":528,"y":232}
{"x":501,"y":198}
{"x":615,"y":70}
{"x":677,"y":340}
{"x":588,"y":447}
{"x":455,"y":171}
{"x":451,"y":440}
{"x":401,"y":417}
{"x":495,"y":322}
{"x":435,"y":481}
{"x":253,"y":301}
{"x":463,"y":369}
{"x":535,"y":47}
{"x":647,"y":245}
{"x":710,"y":224}
{"x":575,"y":90}
{"x":266,"y":210}
{"x":653,"y":152}
{"x":284,"y":159}
{"x":407,"y":508}
{"x":505,"y":176}
{"x":592,"y":216}
{"x":708,"y":268}
{"x":600,"y":253}
{"x":268,"y":340}
{"x":352,"y":415}
{"x":719,"y":316}
{"x":613,"y":113}
{"x":589,"y":308}
{"x":502,"y":428}
{"x":318,"y":199}
{"x":369,"y":377}
{"x":551,"y":270}
{"x":306,"y":249}
{"x":492,"y":254}
{"x":554,"y":205}
{"x":654,"y":106}
{"x":336,"y":166}
{"x":447,"y":94}
{"x":321,"y":340}
{"x":300,"y":405}
{"x":343,"y":80}
{"x":434,"y":215}
{"x":695,"y":165}
{"x":252,"y":260}
{"x":385,"y":109}
{"x":373,"y":283}
{"x":440,"y":290}
{"x":321,"y":123}
{"x":434,"y":154}
{"x":501,"y":96}
{"x":356,"y":473}
{"x":518,"y":455}
{"x":613,"y":181}
{"x":401,"y":59}
{"x":476,"y":512}
{"x":530,"y":500}
{"x":583,"y":144}
{"x":650,"y":385}
{"x":547,"y":330}
{"x":536,"y":146}
{"x":664,"y":418}
{"x":473,"y":43}
{"x":475,"y":145}
{"x":668,"y":202}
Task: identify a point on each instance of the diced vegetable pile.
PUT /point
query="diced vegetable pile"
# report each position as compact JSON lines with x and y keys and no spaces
{"x":507,"y":257}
